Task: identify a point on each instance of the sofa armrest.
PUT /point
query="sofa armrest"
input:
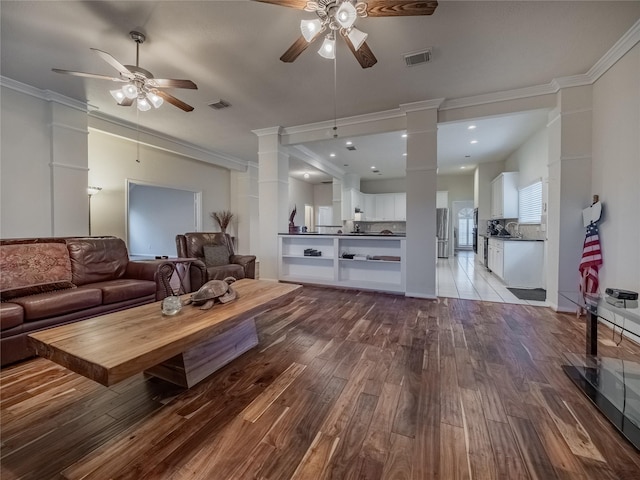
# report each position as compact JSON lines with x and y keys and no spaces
{"x":156,"y":271}
{"x":197,"y":274}
{"x":248,"y":262}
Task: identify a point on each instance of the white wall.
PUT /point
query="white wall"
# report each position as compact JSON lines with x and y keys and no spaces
{"x":391,"y":185}
{"x":530,"y":159}
{"x":112,"y":160}
{"x":616,"y":170}
{"x":300,"y":194}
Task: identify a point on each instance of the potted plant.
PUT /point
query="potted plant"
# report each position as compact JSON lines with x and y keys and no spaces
{"x":223,"y":219}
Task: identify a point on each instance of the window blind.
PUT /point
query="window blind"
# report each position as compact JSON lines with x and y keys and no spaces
{"x":530,"y":203}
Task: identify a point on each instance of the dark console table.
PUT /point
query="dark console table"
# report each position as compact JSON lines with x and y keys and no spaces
{"x":612,"y":384}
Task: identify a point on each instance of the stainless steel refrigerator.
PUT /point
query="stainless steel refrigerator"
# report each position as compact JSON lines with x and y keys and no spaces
{"x":442,"y":232}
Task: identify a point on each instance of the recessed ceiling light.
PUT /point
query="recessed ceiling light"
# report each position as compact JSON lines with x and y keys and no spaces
{"x":373,"y":168}
{"x":306,"y":175}
{"x":332,"y":154}
{"x":462,"y":167}
{"x":349,"y":142}
{"x":473,"y":141}
{"x":404,"y":135}
{"x":404,"y":154}
{"x":471,"y":127}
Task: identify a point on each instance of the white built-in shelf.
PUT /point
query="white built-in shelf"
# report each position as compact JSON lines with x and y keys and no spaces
{"x":331,"y":269}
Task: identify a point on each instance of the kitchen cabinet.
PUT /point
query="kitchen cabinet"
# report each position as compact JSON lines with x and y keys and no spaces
{"x":400,"y":206}
{"x":369,"y":201}
{"x":385,"y":206}
{"x":519,"y":263}
{"x":504,"y":195}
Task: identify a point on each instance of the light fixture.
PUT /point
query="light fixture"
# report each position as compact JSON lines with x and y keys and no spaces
{"x":310,"y":28}
{"x":143,"y":103}
{"x":404,"y":135}
{"x":118,"y":95}
{"x":346,"y":15}
{"x":473,"y":141}
{"x":471,"y":127}
{"x":336,"y":16}
{"x":332,"y":154}
{"x":404,"y":154}
{"x":93,"y":190}
{"x":328,"y":48}
{"x":130,"y":91}
{"x":156,"y":100}
{"x":349,"y":142}
{"x":356,"y":37}
{"x":306,"y":175}
{"x":373,"y":167}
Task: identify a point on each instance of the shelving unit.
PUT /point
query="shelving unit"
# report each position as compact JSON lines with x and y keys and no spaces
{"x":332,"y":269}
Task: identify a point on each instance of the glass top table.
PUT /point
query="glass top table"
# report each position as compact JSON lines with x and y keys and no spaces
{"x":612,"y":384}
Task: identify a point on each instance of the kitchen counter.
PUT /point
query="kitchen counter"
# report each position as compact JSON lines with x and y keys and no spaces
{"x":511,"y":239}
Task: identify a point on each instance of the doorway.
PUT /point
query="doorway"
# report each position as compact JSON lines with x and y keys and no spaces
{"x":156,"y":214}
{"x":463,"y":225}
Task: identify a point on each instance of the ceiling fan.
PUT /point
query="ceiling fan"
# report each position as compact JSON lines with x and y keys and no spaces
{"x":140,"y":85}
{"x":339,"y":16}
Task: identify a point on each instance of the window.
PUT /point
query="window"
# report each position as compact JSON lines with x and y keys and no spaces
{"x":530,"y":201}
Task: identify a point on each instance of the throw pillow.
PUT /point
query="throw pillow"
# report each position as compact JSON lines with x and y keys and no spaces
{"x":216,"y":255}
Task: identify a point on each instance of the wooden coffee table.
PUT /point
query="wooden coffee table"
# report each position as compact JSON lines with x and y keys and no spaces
{"x":184,"y":348}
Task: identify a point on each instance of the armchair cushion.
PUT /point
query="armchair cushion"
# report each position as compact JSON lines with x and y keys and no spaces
{"x":216,"y":255}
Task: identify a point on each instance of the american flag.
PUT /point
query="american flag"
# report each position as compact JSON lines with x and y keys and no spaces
{"x":591,"y":261}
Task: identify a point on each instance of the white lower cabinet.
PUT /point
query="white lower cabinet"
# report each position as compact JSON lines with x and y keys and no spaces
{"x":362,"y":271}
{"x":519,"y":263}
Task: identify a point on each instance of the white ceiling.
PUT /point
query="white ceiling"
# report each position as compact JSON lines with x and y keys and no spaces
{"x":230,"y":49}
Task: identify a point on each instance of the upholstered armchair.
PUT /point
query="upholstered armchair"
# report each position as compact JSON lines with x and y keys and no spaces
{"x":216,"y":257}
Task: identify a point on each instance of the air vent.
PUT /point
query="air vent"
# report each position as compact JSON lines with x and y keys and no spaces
{"x":220,"y":104}
{"x":375,"y":171}
{"x":351,"y":148}
{"x":418,"y":58}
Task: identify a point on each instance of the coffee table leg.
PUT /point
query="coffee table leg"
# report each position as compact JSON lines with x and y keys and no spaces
{"x":197,"y":363}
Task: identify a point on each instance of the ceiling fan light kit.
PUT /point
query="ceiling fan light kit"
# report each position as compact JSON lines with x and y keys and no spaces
{"x":140,"y":85}
{"x":339,"y":16}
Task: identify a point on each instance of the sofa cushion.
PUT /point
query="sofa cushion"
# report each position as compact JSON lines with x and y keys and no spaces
{"x":11,"y":315}
{"x":97,"y":259}
{"x":46,"y":305}
{"x":115,"y":291}
{"x":216,"y":255}
{"x":34,"y":289}
{"x":23,"y":265}
{"x":220,"y":273}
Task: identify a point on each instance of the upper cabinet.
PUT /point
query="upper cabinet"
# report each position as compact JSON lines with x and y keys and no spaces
{"x":374,"y":207}
{"x":504,"y":195}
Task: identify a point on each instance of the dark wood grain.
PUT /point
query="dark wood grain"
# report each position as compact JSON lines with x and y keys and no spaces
{"x":400,"y":8}
{"x":342,"y":385}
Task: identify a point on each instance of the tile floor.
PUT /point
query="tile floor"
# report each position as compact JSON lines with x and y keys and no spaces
{"x":461,"y":276}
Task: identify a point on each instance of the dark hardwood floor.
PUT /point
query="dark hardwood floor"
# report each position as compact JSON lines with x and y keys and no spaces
{"x":343,"y":385}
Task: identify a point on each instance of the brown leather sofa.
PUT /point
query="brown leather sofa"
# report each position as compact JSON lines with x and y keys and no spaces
{"x":192,"y":245}
{"x":47,"y":282}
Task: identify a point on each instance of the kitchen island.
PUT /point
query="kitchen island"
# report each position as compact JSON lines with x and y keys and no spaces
{"x":363,"y":261}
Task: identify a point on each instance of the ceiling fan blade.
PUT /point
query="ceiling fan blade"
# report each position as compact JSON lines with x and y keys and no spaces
{"x":294,"y":51}
{"x":174,"y":101}
{"x":171,"y":83}
{"x":364,"y":55}
{"x":88,"y":75}
{"x":399,"y":8}
{"x":124,"y":71}
{"x":300,"y":4}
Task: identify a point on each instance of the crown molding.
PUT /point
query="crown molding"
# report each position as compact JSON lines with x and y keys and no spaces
{"x":422,"y":105}
{"x":303,"y":153}
{"x":263,"y":132}
{"x":119,"y":128}
{"x":46,"y":95}
{"x":346,"y":121}
{"x":615,"y":53}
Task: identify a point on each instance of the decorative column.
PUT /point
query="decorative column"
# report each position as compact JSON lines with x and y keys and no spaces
{"x":69,"y":169}
{"x":422,"y":164}
{"x":570,"y":127}
{"x":245,"y":203}
{"x":273,"y":198}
